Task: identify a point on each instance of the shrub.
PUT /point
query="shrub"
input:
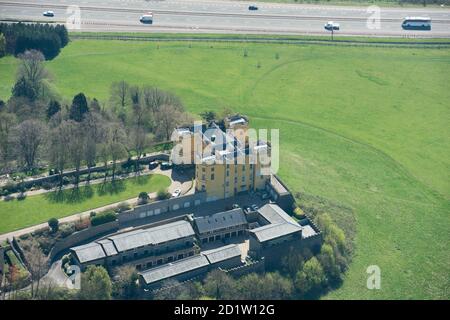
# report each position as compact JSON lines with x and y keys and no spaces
{"x":92,"y":214}
{"x":299,"y":214}
{"x":123,"y":206}
{"x":21,"y":196}
{"x":162,"y":195}
{"x":103,"y":217}
{"x":66,"y":230}
{"x":82,"y":224}
{"x":8,"y":198}
{"x":143,"y":198}
{"x":47,"y":185}
{"x":53,"y":223}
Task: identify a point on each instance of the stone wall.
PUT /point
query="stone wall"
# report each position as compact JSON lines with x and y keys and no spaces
{"x":2,"y":258}
{"x":83,"y":236}
{"x":161,"y":207}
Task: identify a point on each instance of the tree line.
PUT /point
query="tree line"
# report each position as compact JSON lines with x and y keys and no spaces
{"x":38,"y":128}
{"x":20,"y":37}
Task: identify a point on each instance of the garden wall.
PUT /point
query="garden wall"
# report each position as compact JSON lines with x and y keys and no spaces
{"x":82,"y":236}
{"x":163,"y":206}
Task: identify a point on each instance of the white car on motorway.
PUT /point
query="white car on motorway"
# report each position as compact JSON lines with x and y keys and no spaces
{"x":147,"y":18}
{"x":176,"y":193}
{"x":330,"y":25}
{"x":48,"y":13}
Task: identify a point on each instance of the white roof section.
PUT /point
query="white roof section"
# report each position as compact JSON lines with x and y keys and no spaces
{"x":274,"y":214}
{"x":273,"y":231}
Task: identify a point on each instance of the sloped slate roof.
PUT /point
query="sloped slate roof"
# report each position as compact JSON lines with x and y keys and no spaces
{"x":273,"y":231}
{"x":222,"y":253}
{"x":173,"y":269}
{"x":89,"y":252}
{"x":108,"y":247}
{"x":220,"y":220}
{"x":152,"y":236}
{"x":274,"y":214}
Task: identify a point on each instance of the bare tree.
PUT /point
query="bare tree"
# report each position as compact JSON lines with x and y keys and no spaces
{"x":92,"y":125}
{"x":59,"y":139}
{"x":32,"y":69}
{"x":7,"y":123}
{"x":36,"y":262}
{"x":154,"y":98}
{"x":120,"y":94}
{"x":169,"y":117}
{"x":76,"y":146}
{"x":29,"y":137}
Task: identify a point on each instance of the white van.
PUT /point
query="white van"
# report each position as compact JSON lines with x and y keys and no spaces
{"x":147,"y":18}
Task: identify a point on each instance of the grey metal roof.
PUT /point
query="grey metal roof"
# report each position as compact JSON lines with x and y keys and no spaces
{"x":274,"y":214}
{"x":108,"y":247}
{"x":222,"y":253}
{"x":220,"y":220}
{"x":273,"y":231}
{"x":173,"y":269}
{"x":152,"y":236}
{"x":89,"y":252}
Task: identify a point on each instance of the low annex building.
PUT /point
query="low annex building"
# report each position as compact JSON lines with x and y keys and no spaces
{"x":220,"y":226}
{"x":278,"y":233}
{"x":224,"y":257}
{"x":143,"y":247}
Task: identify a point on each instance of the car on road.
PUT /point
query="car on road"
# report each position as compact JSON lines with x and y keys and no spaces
{"x":176,"y":193}
{"x":247,"y":209}
{"x":152,"y":165}
{"x":48,"y":14}
{"x":330,"y":25}
{"x":265,"y":195}
{"x":166,"y":166}
{"x":252,"y":8}
{"x":254,"y":207}
{"x":146,"y":18}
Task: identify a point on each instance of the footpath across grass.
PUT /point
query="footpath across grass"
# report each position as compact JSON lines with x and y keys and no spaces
{"x":40,"y":208}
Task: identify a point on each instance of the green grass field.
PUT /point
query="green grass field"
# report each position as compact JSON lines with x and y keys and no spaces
{"x":37,"y":209}
{"x":364,"y":127}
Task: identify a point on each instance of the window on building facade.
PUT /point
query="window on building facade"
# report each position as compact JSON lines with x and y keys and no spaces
{"x":212,"y":176}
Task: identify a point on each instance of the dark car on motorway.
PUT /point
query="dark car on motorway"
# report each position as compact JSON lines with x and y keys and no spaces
{"x":48,"y":13}
{"x":252,"y":8}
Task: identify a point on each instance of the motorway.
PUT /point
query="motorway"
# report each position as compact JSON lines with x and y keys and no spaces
{"x":224,"y":17}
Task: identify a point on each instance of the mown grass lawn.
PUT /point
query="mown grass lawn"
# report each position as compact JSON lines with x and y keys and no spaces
{"x":37,"y":209}
{"x":365,"y":127}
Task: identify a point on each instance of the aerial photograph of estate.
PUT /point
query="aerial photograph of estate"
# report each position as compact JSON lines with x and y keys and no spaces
{"x":269,"y":150}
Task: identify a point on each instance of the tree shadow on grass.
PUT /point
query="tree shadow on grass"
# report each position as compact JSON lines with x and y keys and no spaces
{"x":115,"y":187}
{"x":75,"y":195}
{"x":141,"y":180}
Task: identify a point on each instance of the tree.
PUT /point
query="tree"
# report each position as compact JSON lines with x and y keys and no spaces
{"x":32,"y":71}
{"x":265,"y":286}
{"x":168,"y":117}
{"x":328,"y":262}
{"x":29,"y":137}
{"x":208,"y":116}
{"x":7,"y":123}
{"x":119,"y":95}
{"x":53,"y":108}
{"x":58,"y":142}
{"x":95,"y":284}
{"x":219,"y":285}
{"x":125,"y":286}
{"x":53,"y":223}
{"x":76,"y":147}
{"x":79,"y":107}
{"x":23,"y":88}
{"x":292,"y":262}
{"x":92,"y":126}
{"x":2,"y":45}
{"x":36,"y":262}
{"x":310,"y":279}
{"x":143,"y":197}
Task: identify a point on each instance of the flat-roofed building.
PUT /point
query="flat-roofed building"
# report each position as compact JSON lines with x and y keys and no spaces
{"x":221,"y":225}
